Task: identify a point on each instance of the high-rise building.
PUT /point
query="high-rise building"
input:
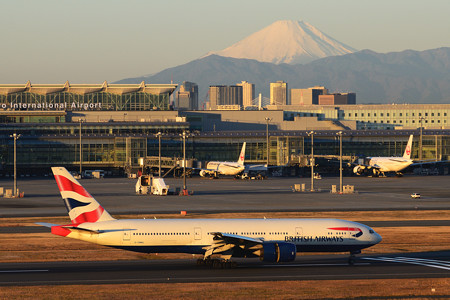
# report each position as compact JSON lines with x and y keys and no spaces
{"x":248,"y":93}
{"x":225,"y":95}
{"x":279,"y":93}
{"x":187,"y":96}
{"x":351,"y":98}
{"x":337,"y":99}
{"x":307,"y":96}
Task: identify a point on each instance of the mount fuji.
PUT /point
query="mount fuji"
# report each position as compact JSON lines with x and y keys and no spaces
{"x":282,"y":50}
{"x":290,"y":42}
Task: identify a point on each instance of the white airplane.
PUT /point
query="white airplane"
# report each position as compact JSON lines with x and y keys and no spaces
{"x":216,"y":168}
{"x":380,"y":165}
{"x":272,"y":240}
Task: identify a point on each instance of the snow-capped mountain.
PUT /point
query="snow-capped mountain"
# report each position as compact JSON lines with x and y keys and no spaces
{"x":291,"y":42}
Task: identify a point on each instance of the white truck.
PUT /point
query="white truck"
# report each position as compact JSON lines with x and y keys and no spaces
{"x":147,"y":184}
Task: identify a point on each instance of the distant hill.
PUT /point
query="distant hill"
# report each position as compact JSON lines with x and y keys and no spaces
{"x":400,"y":77}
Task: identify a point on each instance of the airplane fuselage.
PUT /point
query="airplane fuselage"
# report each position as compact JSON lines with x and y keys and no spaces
{"x":390,"y":164}
{"x":194,"y":235}
{"x":225,"y":168}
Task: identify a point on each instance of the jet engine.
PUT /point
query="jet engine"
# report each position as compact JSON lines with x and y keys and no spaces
{"x":203,"y":173}
{"x":358,"y":170}
{"x":278,"y":252}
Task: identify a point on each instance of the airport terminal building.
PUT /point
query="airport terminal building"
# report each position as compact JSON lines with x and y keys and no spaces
{"x":110,"y":126}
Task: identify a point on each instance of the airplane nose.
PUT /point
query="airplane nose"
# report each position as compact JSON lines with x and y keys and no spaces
{"x":377,"y":238}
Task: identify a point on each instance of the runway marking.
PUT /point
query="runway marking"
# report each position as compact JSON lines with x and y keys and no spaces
{"x":22,"y":271}
{"x":445,"y":265}
{"x":314,"y":265}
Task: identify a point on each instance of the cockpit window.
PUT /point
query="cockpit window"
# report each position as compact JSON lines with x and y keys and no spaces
{"x":371,"y":231}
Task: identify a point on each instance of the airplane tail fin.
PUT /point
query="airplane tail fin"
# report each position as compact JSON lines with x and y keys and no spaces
{"x":242,"y":155}
{"x":407,"y":153}
{"x":81,"y":206}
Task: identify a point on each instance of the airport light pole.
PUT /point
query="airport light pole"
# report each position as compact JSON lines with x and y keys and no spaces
{"x":267,"y":139}
{"x":312,"y":162}
{"x":15,"y":136}
{"x":340,"y":161}
{"x":159,"y":134}
{"x":81,"y":149}
{"x":420,"y":138}
{"x":185,"y":191}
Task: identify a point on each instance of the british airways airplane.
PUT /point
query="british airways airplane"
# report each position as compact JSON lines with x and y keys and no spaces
{"x":218,"y":240}
{"x":216,"y":168}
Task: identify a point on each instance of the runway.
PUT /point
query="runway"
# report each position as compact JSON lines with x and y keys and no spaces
{"x":213,"y":196}
{"x":314,"y":267}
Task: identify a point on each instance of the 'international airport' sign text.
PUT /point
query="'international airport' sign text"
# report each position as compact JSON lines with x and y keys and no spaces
{"x":51,"y":106}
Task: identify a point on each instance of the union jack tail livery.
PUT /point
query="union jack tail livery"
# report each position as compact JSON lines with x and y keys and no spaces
{"x":81,"y":206}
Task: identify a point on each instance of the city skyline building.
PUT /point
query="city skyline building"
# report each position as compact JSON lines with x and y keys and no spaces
{"x":248,"y":93}
{"x":309,"y":96}
{"x":187,"y":96}
{"x":279,"y":93}
{"x":337,"y":99}
{"x":223,"y":95}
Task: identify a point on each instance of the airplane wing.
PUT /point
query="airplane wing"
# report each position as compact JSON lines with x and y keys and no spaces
{"x":428,"y":162}
{"x":225,"y":244}
{"x":232,"y":166}
{"x":72,"y":227}
{"x":49,"y":225}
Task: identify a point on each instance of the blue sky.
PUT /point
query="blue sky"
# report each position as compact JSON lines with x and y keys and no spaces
{"x":51,"y":41}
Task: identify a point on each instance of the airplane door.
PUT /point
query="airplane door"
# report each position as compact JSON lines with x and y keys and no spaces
{"x":197,"y":233}
{"x":298,"y":231}
{"x":126,"y":235}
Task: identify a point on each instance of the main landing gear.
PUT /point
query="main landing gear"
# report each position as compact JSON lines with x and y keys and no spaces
{"x":352,"y":257}
{"x":216,"y":263}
